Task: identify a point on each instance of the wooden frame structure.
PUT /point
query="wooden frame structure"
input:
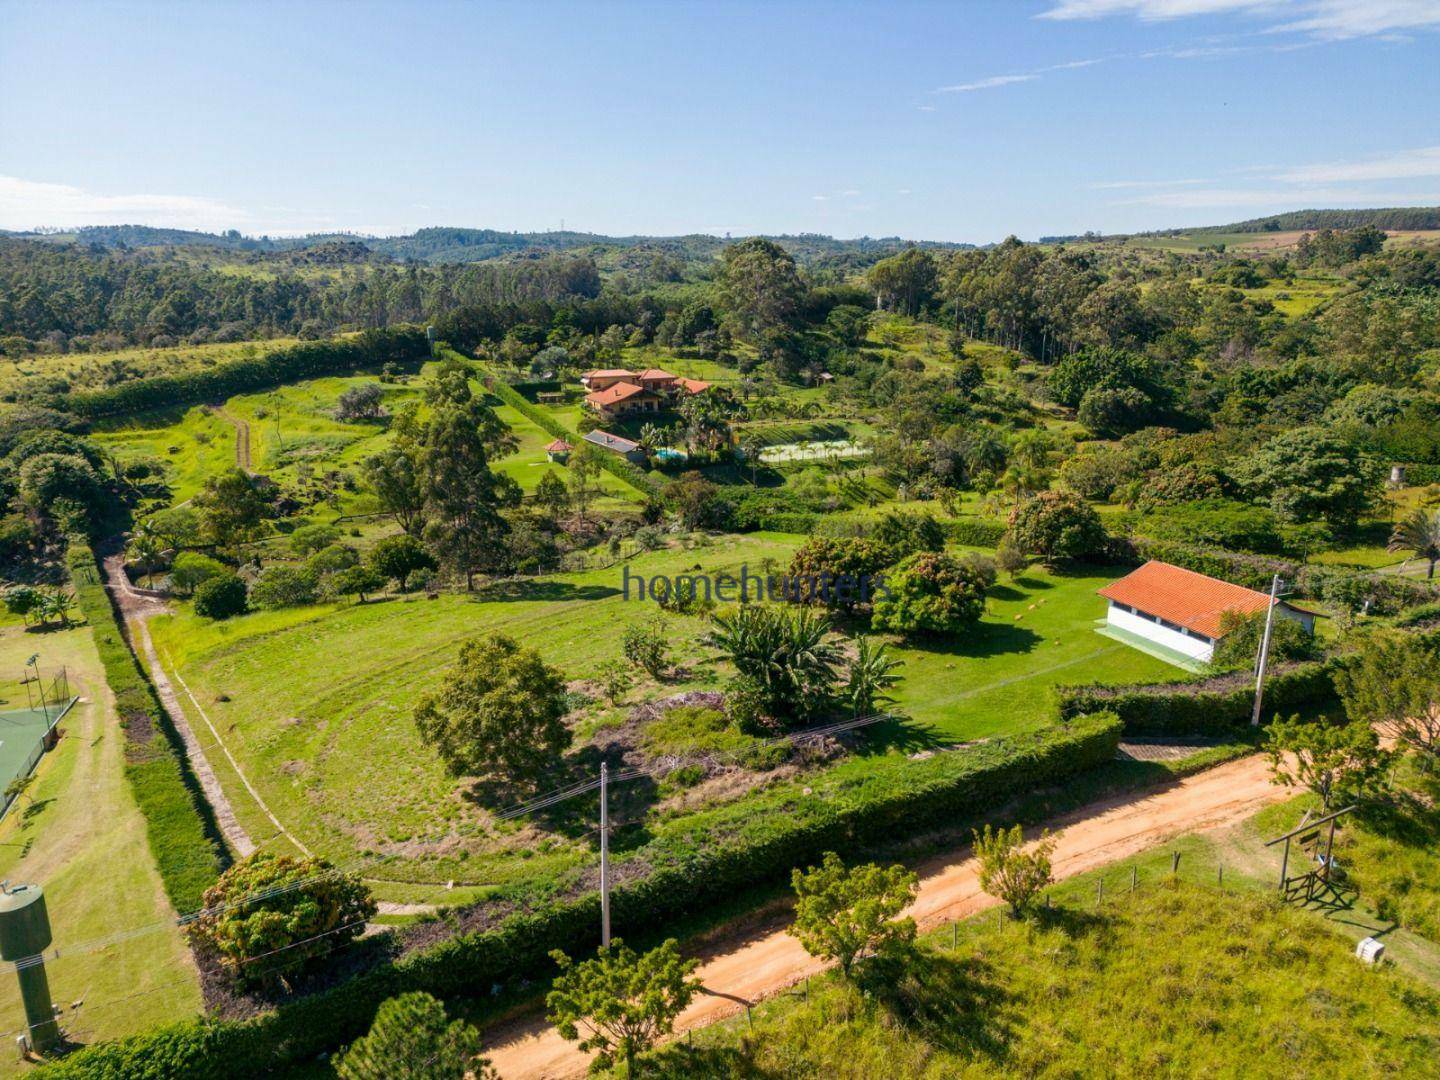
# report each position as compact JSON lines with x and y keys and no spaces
{"x":1321,"y":870}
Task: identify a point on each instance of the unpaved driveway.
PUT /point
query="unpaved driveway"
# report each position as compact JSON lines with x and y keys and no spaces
{"x":758,"y":964}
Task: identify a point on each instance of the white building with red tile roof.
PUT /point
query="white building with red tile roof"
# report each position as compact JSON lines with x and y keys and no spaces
{"x":1182,"y":610}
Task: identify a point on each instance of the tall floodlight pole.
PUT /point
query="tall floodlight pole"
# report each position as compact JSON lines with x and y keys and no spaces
{"x":604,"y":854}
{"x":34,"y":662}
{"x":1264,"y":651}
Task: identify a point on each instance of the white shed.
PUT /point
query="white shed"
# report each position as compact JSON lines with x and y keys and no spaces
{"x":1181,"y":610}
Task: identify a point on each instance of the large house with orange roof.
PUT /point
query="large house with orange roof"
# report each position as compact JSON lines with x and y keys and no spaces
{"x":616,"y":392}
{"x":1183,"y":611}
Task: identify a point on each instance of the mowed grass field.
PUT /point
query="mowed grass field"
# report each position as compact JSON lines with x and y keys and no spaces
{"x":316,"y":703}
{"x":78,"y":833}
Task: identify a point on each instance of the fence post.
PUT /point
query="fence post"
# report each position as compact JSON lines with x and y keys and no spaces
{"x":954,"y":936}
{"x":1134,"y":876}
{"x":1175,"y":864}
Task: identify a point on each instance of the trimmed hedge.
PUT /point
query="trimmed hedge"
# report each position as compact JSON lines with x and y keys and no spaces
{"x":727,"y":850}
{"x":290,"y":363}
{"x":1422,"y":475}
{"x":1210,"y":707}
{"x":545,"y":420}
{"x":976,"y":532}
{"x":182,"y":834}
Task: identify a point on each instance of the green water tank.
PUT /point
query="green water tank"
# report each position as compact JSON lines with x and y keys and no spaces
{"x":25,"y":932}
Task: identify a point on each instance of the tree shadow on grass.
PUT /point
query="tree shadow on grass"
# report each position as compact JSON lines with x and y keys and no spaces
{"x":900,"y":734}
{"x":955,"y":1003}
{"x":547,"y":591}
{"x":987,"y":639}
{"x":679,"y":1061}
{"x":1033,"y":583}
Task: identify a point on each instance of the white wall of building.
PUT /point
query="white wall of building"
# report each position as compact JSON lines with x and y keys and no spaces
{"x":1146,"y":627}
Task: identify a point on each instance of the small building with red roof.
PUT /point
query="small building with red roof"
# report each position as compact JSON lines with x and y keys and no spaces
{"x":1183,"y":611}
{"x":656,"y":379}
{"x":558,"y":451}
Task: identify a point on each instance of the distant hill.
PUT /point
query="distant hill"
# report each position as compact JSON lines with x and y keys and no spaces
{"x":1391,"y":217}
{"x":460,"y":245}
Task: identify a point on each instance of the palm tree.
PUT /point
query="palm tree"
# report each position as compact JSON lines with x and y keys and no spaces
{"x":788,"y":656}
{"x":1420,"y":533}
{"x":871,"y":675}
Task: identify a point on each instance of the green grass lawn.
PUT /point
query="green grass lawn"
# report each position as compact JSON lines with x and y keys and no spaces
{"x":78,"y":834}
{"x":93,"y":370}
{"x":332,"y":747}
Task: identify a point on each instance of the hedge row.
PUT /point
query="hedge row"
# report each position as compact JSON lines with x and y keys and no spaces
{"x":290,"y":363}
{"x":976,"y":532}
{"x":545,"y":420}
{"x":1386,"y":594}
{"x":1211,"y":707}
{"x":1421,"y":475}
{"x":182,"y":834}
{"x":730,"y":849}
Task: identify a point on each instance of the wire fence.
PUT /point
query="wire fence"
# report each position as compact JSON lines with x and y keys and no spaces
{"x":52,"y":702}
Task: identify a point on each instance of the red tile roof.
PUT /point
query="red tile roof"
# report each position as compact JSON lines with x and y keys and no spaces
{"x":559,"y":446}
{"x":1183,"y":597}
{"x":655,"y":374}
{"x":613,"y":395}
{"x":693,"y":386}
{"x":609,"y":373}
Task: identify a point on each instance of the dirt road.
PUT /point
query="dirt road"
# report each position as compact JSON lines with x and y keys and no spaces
{"x":757,"y":965}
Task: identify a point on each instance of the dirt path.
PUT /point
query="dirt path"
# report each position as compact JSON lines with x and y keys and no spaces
{"x":242,"y":436}
{"x":758,"y":964}
{"x":137,"y":608}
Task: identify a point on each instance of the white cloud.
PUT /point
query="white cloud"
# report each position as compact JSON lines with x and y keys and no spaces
{"x":1326,"y":19}
{"x":1405,"y":164}
{"x":1340,"y":19}
{"x":820,"y":198}
{"x":25,"y":204}
{"x":850,"y":192}
{"x":925,"y":108}
{"x":985,"y":84}
{"x":903,"y":191}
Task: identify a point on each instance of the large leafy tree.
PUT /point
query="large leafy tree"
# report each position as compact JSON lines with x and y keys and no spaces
{"x":1332,"y":760}
{"x":267,"y":902}
{"x":620,"y":1003}
{"x":1057,"y":526}
{"x":1308,"y":473}
{"x":1390,"y":682}
{"x":843,"y":914}
{"x":836,"y":570}
{"x":932,"y":592}
{"x":411,"y":1038}
{"x":1420,"y":533}
{"x":759,"y":287}
{"x":905,"y":282}
{"x":499,"y":711}
{"x":232,"y":508}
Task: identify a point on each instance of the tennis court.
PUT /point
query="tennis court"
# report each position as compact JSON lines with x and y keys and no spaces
{"x":22,"y":735}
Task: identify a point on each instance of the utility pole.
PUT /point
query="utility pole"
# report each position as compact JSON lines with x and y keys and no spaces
{"x":604,"y":855}
{"x":1264,"y":651}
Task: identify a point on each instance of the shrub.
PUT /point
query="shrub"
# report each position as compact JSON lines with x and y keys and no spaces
{"x":976,"y":532}
{"x":785,"y":653}
{"x":332,"y":559}
{"x":268,"y":902}
{"x":220,"y":597}
{"x":931,"y":593}
{"x":904,"y":532}
{"x":645,"y":646}
{"x":1057,"y":526}
{"x":284,"y":586}
{"x":1215,"y":523}
{"x":363,"y":402}
{"x":1009,"y":872}
{"x":1240,"y":634}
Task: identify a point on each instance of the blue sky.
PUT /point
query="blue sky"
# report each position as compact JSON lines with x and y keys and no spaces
{"x":948,"y":121}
